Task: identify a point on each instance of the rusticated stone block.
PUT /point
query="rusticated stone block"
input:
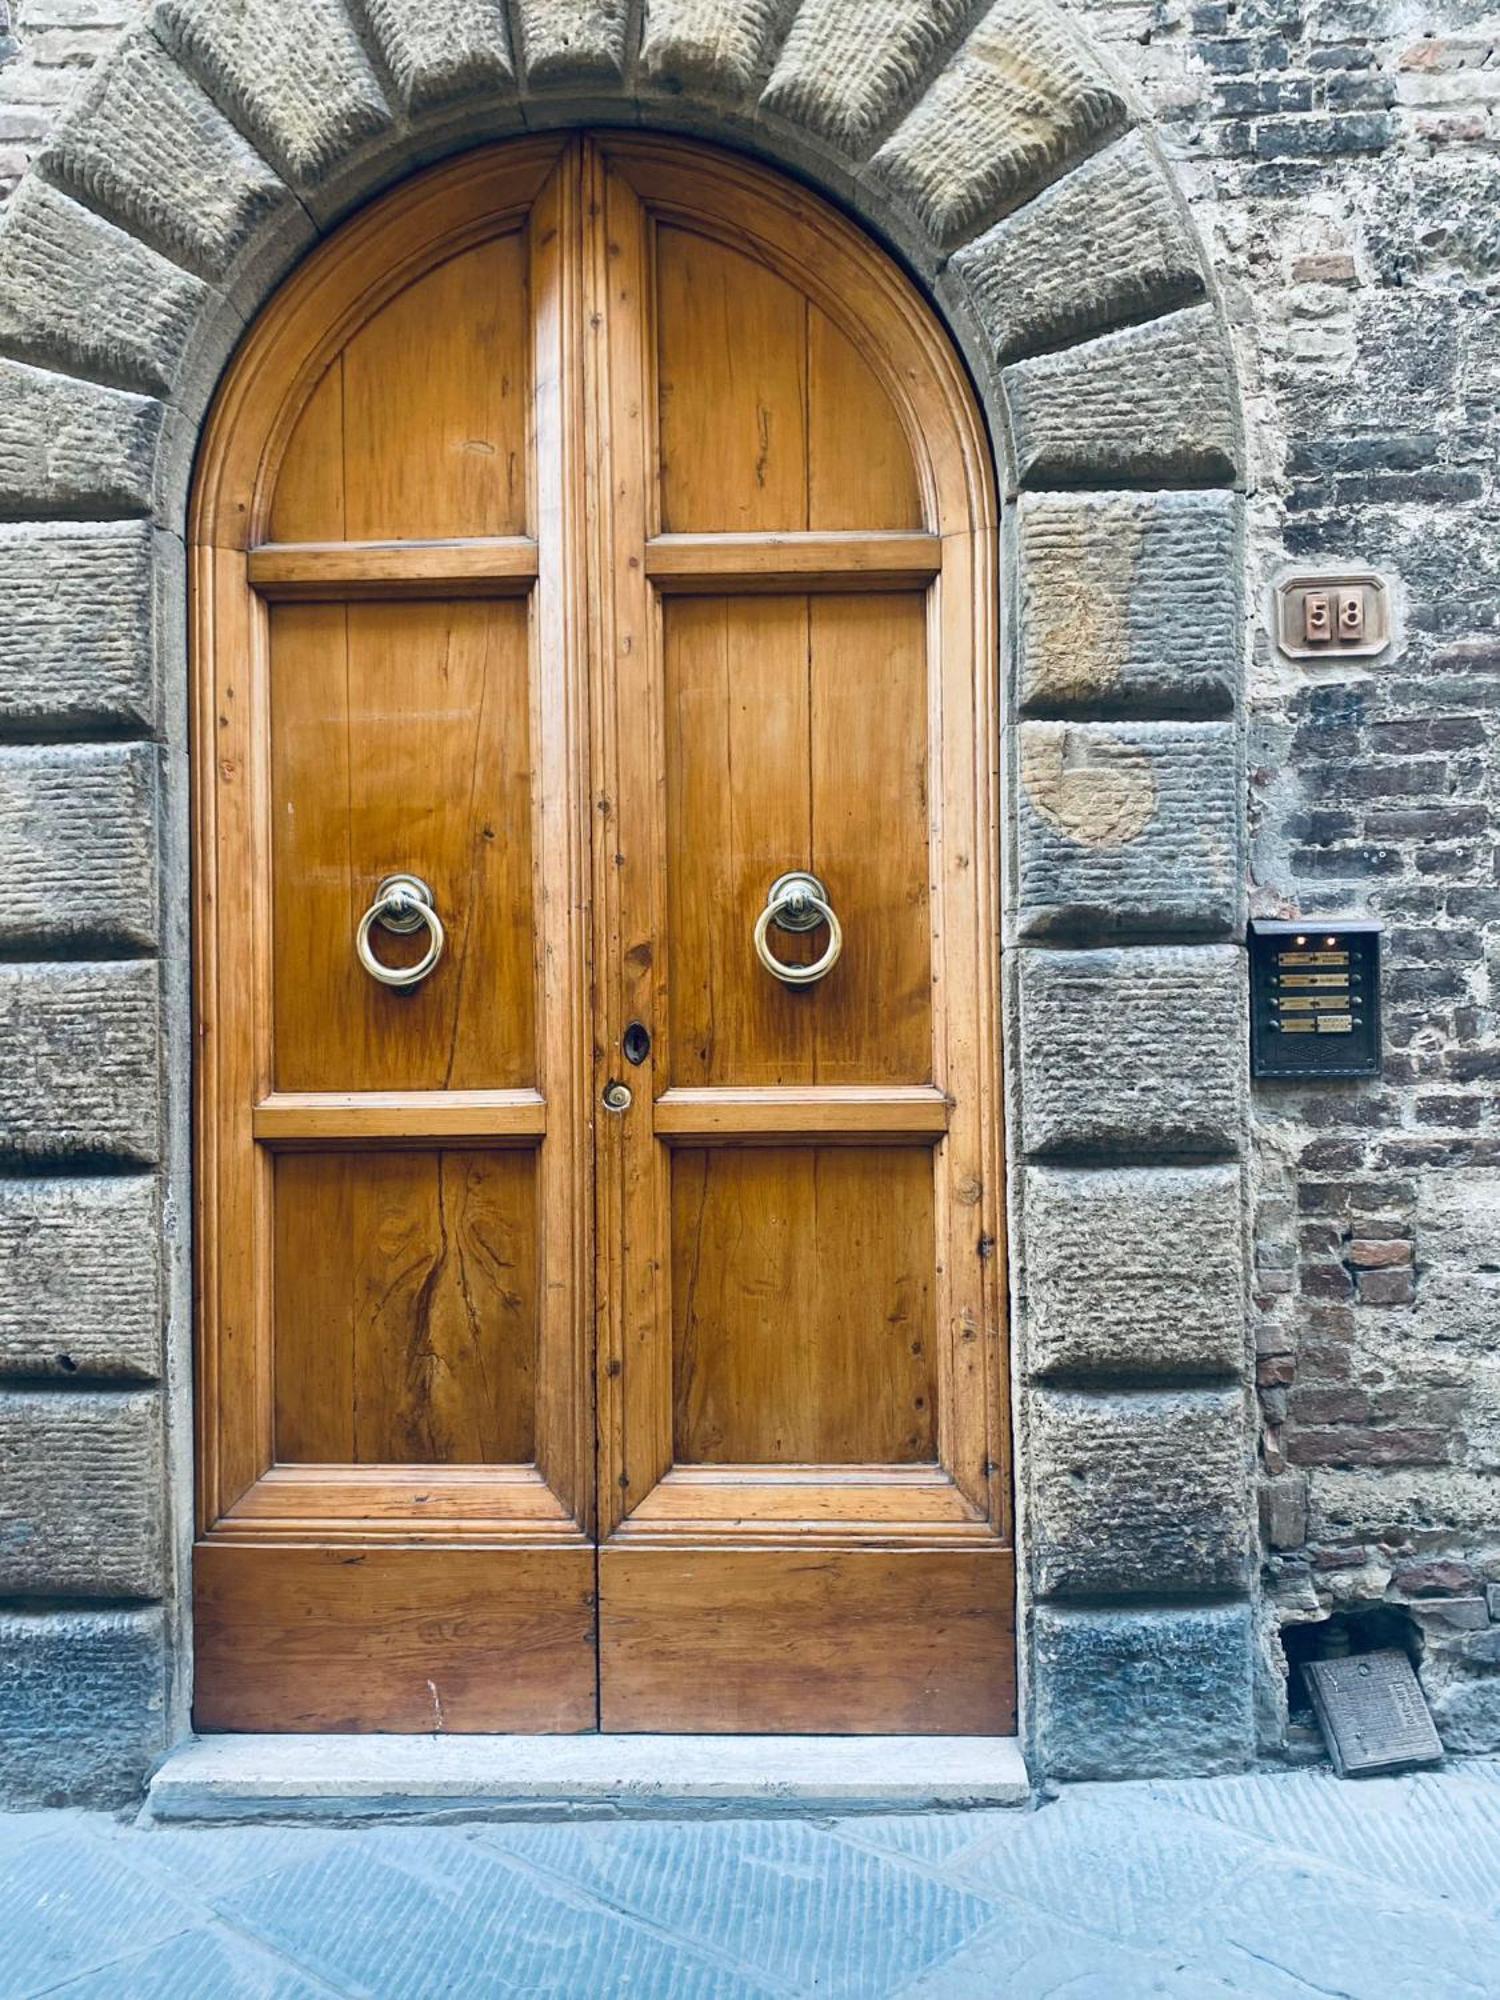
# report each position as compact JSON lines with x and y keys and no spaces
{"x":1138,"y":1495}
{"x":1153,"y":402}
{"x":1143,"y":1694}
{"x":81,"y":1074}
{"x":80,"y":1494}
{"x":290,"y":73}
{"x":1127,"y":827}
{"x":1129,"y":602}
{"x":1133,"y":1052}
{"x":718,"y":46}
{"x":146,"y":147}
{"x":82,"y":1706}
{"x":78,"y":844}
{"x":1135,"y":1272}
{"x":1020,"y":97}
{"x":847,"y":69}
{"x":69,"y":447}
{"x":572,"y":41}
{"x":82,"y":1297}
{"x":76,"y":292}
{"x":1108,"y":243}
{"x":77,"y":624}
{"x":440,"y":50}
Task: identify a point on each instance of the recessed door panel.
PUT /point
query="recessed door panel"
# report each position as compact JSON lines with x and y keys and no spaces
{"x":400,"y":740}
{"x":405,"y":1307}
{"x":802,"y":1306}
{"x":599,"y":1239}
{"x":797,"y":738}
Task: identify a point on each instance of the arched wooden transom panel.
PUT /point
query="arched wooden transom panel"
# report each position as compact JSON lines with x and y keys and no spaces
{"x":603,"y":1330}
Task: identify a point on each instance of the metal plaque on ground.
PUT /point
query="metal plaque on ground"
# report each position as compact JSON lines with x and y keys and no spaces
{"x":1372,"y":1713}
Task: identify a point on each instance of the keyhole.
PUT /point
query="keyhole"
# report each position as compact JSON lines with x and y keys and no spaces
{"x":636,"y":1043}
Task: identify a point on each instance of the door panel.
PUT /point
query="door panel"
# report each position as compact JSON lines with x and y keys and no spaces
{"x":405,"y":1308}
{"x":797,"y":737}
{"x":601,"y":1330}
{"x":400,"y":740}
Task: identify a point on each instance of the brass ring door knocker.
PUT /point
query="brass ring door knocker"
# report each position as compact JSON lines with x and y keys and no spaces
{"x":798,"y":902}
{"x":403,"y":904}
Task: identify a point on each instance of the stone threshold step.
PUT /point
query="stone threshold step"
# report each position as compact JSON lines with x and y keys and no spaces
{"x":343,"y":1778}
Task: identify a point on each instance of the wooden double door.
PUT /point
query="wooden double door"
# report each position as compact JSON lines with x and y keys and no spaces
{"x":599,"y":1238}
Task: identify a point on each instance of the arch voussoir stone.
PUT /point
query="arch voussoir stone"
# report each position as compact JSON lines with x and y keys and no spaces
{"x":988,"y":143}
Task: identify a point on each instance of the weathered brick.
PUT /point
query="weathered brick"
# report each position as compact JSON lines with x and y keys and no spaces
{"x":82,"y":1706}
{"x":1128,"y":603}
{"x":82,"y":1298}
{"x":290,"y":73}
{"x":1153,"y":402}
{"x":78,"y":627}
{"x":1110,"y":242}
{"x":1142,"y":1495}
{"x":69,"y":447}
{"x":78,"y":845}
{"x":1134,"y":1052}
{"x":81,"y":1078}
{"x":145,"y":146}
{"x":1020,"y":97}
{"x":1127,"y":829}
{"x":80,"y":1494}
{"x":1134,"y":1272}
{"x":1124,"y":1693}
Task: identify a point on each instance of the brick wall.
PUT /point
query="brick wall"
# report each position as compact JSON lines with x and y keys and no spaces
{"x":1341,"y":159}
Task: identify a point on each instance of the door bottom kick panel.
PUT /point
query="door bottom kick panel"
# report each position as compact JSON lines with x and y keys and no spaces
{"x":410,"y":1640}
{"x":915,"y":1641}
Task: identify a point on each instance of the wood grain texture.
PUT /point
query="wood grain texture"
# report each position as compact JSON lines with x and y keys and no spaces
{"x":314,"y":572}
{"x":406,"y":1308}
{"x":307,"y":1119}
{"x":895,"y":1112}
{"x":869,"y":1642}
{"x":400,"y":743}
{"x":418,"y":1641}
{"x":802,"y":1310}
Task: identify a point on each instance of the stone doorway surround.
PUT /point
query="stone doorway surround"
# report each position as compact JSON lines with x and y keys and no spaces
{"x":993,"y":152}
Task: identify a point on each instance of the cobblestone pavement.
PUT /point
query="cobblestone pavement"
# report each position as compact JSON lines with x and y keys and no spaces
{"x":1272,"y":1886}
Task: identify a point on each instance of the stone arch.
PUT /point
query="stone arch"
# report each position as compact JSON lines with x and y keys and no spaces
{"x":983,"y":141}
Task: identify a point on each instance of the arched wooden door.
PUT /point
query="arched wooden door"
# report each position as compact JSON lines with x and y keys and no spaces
{"x":604,"y":1330}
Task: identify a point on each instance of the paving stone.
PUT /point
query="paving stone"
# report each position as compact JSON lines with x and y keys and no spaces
{"x":193,"y":1967}
{"x":210,"y":1861}
{"x":441,"y":50}
{"x":1133,"y":1052}
{"x":931,"y":1838}
{"x":719,"y":46}
{"x":146,"y":146}
{"x":80,"y":1494}
{"x":846,"y":70}
{"x":1129,"y":603}
{"x":1125,"y":1692}
{"x":1138,"y":1495}
{"x":1020,"y":97}
{"x":359,"y":1922}
{"x":567,"y":42}
{"x":81,"y":1078}
{"x":77,"y":625}
{"x":78,"y":845}
{"x":1147,"y":403}
{"x":1025,"y":1957}
{"x":77,"y":292}
{"x":1127,"y":829}
{"x":1134,"y":1272}
{"x":806,"y":1910}
{"x":82,"y":1299}
{"x":1109,"y":242}
{"x":72,"y":447}
{"x":70,"y":1903}
{"x":290,"y":73}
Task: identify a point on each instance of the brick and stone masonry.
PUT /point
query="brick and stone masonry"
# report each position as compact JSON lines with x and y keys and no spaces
{"x":1340,"y":169}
